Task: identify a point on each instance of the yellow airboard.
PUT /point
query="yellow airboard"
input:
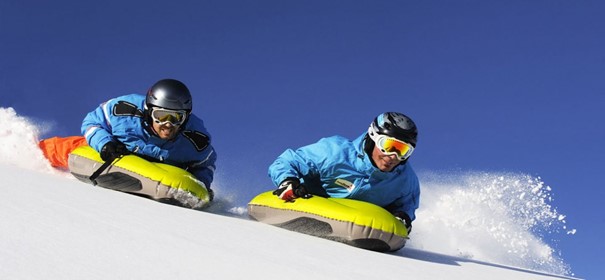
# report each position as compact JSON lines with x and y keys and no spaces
{"x":351,"y":221}
{"x":158,"y":174}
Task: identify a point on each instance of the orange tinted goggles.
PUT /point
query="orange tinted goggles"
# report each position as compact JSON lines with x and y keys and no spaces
{"x":392,"y":146}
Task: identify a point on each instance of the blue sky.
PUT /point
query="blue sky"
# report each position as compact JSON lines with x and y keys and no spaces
{"x":504,"y":86}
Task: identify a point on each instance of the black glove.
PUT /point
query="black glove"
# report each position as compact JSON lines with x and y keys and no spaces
{"x":113,"y":150}
{"x":210,"y":193}
{"x":405,"y":219}
{"x":290,"y":189}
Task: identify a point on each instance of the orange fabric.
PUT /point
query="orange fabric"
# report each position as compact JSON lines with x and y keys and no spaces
{"x":57,"y":149}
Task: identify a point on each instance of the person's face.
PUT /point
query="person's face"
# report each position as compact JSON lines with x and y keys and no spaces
{"x":385,"y":163}
{"x":165,"y":131}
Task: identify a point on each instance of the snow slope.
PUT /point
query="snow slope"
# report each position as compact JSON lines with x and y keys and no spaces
{"x":59,"y":228}
{"x":55,"y":227}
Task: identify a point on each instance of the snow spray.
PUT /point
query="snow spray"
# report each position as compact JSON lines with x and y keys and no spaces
{"x":502,"y":218}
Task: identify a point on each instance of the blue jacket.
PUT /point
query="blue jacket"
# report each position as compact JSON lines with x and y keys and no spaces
{"x":122,"y":119}
{"x":343,"y":169}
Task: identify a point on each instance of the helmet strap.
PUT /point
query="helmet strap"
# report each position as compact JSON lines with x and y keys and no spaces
{"x":147,"y":125}
{"x":368,"y":147}
{"x":147,"y":122}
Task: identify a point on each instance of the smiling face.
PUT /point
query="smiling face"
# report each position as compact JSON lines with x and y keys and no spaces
{"x":165,"y":131}
{"x":386,"y":163}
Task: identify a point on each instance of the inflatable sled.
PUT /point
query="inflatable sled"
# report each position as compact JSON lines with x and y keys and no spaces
{"x":132,"y":174}
{"x":353,"y":222}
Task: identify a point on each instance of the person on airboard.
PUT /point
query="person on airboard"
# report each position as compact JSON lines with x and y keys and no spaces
{"x":372,"y":168}
{"x":158,"y":126}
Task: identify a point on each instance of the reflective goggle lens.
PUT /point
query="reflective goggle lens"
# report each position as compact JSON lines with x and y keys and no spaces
{"x":391,"y":146}
{"x":162,"y":116}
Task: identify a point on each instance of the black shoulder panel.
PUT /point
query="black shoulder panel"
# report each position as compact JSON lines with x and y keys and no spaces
{"x":198,"y":139}
{"x":123,"y":108}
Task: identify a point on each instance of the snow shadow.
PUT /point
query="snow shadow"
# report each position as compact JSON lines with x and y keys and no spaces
{"x":452,"y":260}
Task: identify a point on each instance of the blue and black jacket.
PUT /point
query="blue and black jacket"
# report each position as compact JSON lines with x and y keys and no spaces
{"x":122,"y":119}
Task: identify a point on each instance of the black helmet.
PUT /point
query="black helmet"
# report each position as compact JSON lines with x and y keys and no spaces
{"x":395,"y":125}
{"x":169,"y":94}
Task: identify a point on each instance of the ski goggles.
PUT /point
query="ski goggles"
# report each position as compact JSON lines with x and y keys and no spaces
{"x":163,"y":116}
{"x":392,"y":146}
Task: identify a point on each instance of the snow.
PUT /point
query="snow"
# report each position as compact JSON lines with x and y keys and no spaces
{"x":472,"y":226}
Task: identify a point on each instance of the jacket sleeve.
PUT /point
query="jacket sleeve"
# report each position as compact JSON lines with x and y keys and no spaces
{"x":95,"y":128}
{"x":410,"y":203}
{"x":204,"y":170}
{"x":410,"y":200}
{"x":299,"y":164}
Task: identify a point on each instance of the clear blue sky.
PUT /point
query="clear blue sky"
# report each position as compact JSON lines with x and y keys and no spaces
{"x":493,"y":85}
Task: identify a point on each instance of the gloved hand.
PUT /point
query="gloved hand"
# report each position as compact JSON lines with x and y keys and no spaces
{"x":405,"y":219}
{"x":291,"y":189}
{"x":210,"y":194}
{"x":113,"y":149}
